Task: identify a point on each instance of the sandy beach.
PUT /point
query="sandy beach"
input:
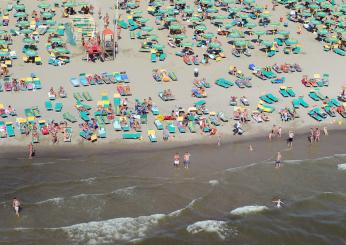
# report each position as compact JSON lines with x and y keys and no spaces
{"x":139,"y":69}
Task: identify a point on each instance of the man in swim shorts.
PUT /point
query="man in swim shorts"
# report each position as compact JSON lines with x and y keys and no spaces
{"x":16,"y":205}
{"x":187,"y":159}
{"x":176,"y":160}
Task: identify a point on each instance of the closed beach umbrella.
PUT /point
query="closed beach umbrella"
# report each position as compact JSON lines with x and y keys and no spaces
{"x":31,"y":53}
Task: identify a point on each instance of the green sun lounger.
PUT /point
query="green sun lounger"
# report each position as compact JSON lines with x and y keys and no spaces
{"x":296,"y":103}
{"x":303,"y":102}
{"x":69,"y":117}
{"x":87,"y":96}
{"x":10,"y":129}
{"x":172,"y":76}
{"x":320,"y":95}
{"x":314,"y":96}
{"x":36,"y":112}
{"x":314,"y":114}
{"x":224,"y":83}
{"x":85,"y":106}
{"x":291,"y":92}
{"x":131,"y":135}
{"x":78,"y":97}
{"x":272,"y":97}
{"x":28,"y":112}
{"x":132,"y":35}
{"x":58,"y":107}
{"x":191,"y":126}
{"x":49,"y":106}
{"x":335,"y":102}
{"x":84,"y":116}
{"x":266,"y":99}
{"x":171,"y":128}
{"x":283,"y":92}
{"x":339,"y":51}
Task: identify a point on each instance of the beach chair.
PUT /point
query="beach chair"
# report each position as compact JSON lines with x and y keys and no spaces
{"x":192,"y":127}
{"x":302,"y":102}
{"x":75,"y":82}
{"x":68,"y":134}
{"x":48,"y":105}
{"x":339,"y":51}
{"x":153,"y":57}
{"x":38,"y":60}
{"x":265,"y":108}
{"x":101,"y":133}
{"x":224,"y":83}
{"x":313,"y":95}
{"x":84,"y":116}
{"x":296,"y":103}
{"x":131,"y":135}
{"x":36,"y":111}
{"x":158,"y":125}
{"x":283,"y":92}
{"x":116,"y":125}
{"x":10,"y":129}
{"x":266,"y":99}
{"x":37,"y":83}
{"x":58,"y":107}
{"x":291,"y":92}
{"x":83,"y":79}
{"x":87,"y":96}
{"x":272,"y":97}
{"x":152,"y":136}
{"x":78,"y":97}
{"x":155,"y":110}
{"x":171,"y":128}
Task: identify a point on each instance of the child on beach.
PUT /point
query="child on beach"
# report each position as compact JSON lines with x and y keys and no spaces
{"x":187,"y":159}
{"x":176,"y":160}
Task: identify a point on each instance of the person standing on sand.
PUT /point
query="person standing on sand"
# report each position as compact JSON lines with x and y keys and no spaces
{"x":196,"y":72}
{"x":218,"y":140}
{"x":290,"y":138}
{"x":176,"y":160}
{"x":278,"y":160}
{"x":317,"y":135}
{"x":325,"y":130}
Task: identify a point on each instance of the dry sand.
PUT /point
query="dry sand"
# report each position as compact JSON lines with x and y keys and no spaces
{"x":139,"y":68}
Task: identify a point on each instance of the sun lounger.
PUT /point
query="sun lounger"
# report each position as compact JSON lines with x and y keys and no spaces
{"x":68,"y":134}
{"x":335,"y":102}
{"x":291,"y":92}
{"x":313,"y":113}
{"x":283,"y":92}
{"x":78,"y":97}
{"x":172,"y":76}
{"x":265,"y":108}
{"x":48,"y":105}
{"x":116,"y":125}
{"x":192,"y":127}
{"x":131,"y":135}
{"x":84,"y":116}
{"x":171,"y":128}
{"x":152,"y":136}
{"x":155,"y":110}
{"x":69,"y":117}
{"x":313,"y":95}
{"x":272,"y":97}
{"x":266,"y":99}
{"x":10,"y":129}
{"x":224,"y":83}
{"x":158,"y":124}
{"x":166,"y":98}
{"x":37,"y":83}
{"x":303,"y":102}
{"x":101,"y":133}
{"x":87,"y":96}
{"x":339,"y":51}
{"x":58,"y":107}
{"x":296,"y":103}
{"x":75,"y":82}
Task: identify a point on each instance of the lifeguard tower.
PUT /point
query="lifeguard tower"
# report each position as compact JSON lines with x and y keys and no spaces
{"x":108,"y":44}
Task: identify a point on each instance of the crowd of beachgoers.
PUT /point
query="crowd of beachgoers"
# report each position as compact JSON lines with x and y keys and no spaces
{"x":199,"y":34}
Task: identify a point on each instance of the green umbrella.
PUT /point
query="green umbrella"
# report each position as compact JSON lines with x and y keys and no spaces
{"x":31,"y":53}
{"x":27,"y":31}
{"x":208,"y":2}
{"x":19,"y":7}
{"x":235,"y":10}
{"x":2,"y":32}
{"x":56,"y":40}
{"x":337,"y":13}
{"x":228,"y":1}
{"x":314,"y":6}
{"x":28,"y":41}
{"x":265,"y":15}
{"x":153,"y":37}
{"x":306,"y":14}
{"x":340,"y":30}
{"x":137,"y":12}
{"x":147,"y":28}
{"x":321,"y":14}
{"x":47,"y":15}
{"x":315,"y":22}
{"x":195,"y":19}
{"x":170,"y":19}
{"x":158,"y":46}
{"x":4,"y":53}
{"x":327,"y":5}
{"x":260,"y":32}
{"x":43,"y":5}
{"x":267,"y":43}
{"x":291,"y":42}
{"x":180,"y":36}
{"x":240,"y":43}
{"x":250,"y":25}
{"x":188,"y":10}
{"x":330,"y":22}
{"x":187,"y":44}
{"x":212,"y":10}
{"x":3,"y":42}
{"x":208,"y":35}
{"x":175,"y":27}
{"x":52,"y":30}
{"x":331,"y":40}
{"x":283,"y":32}
{"x":70,"y":4}
{"x":214,"y":45}
{"x":179,"y":1}
{"x":275,"y":24}
{"x":220,"y":17}
{"x":244,"y":16}
{"x":23,"y":23}
{"x":49,"y":22}
{"x":61,"y":50}
{"x":234,"y":35}
{"x":201,"y":28}
{"x":143,"y":20}
{"x":20,"y":14}
{"x":323,"y":32}
{"x":248,"y":1}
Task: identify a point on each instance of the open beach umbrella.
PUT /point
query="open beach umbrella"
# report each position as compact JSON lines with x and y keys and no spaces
{"x":314,"y":6}
{"x":143,"y":20}
{"x":56,"y":40}
{"x":20,"y":14}
{"x":188,"y":10}
{"x":212,"y":9}
{"x":4,"y":53}
{"x":291,"y":42}
{"x":47,"y":15}
{"x":321,"y":14}
{"x":250,"y":25}
{"x":208,"y":35}
{"x":331,"y":40}
{"x":201,"y":28}
{"x":275,"y":24}
{"x":30,"y":53}
{"x":19,"y":7}
{"x":175,"y":27}
{"x":267,"y":43}
{"x":70,"y":4}
{"x":283,"y":32}
{"x":43,"y":5}
{"x":158,"y":46}
{"x":214,"y":45}
{"x":187,"y":44}
{"x":315,"y":22}
{"x":240,"y":43}
{"x":234,"y":35}
{"x":2,"y":32}
{"x":28,"y":41}
{"x":340,"y":30}
{"x":180,"y":36}
{"x":153,"y":37}
{"x":220,"y":17}
{"x":265,"y":15}
{"x":195,"y":19}
{"x":306,"y":14}
{"x":3,"y":42}
{"x":260,"y":32}
{"x":23,"y":23}
{"x":61,"y":50}
{"x":244,"y":16}
{"x":228,"y":1}
{"x":147,"y":28}
{"x":170,"y":19}
{"x":26,"y":31}
{"x":323,"y":32}
{"x":330,"y":22}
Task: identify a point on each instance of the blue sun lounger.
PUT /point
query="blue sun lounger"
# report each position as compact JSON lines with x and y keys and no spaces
{"x":75,"y":82}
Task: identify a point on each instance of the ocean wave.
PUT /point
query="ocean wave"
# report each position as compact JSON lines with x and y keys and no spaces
{"x":221,"y":228}
{"x":187,"y":207}
{"x":55,"y":200}
{"x":235,"y":169}
{"x":342,"y":166}
{"x":108,"y":231}
{"x":213,"y":182}
{"x":248,"y":210}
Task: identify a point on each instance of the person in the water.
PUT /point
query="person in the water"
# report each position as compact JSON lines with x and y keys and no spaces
{"x":279,"y":203}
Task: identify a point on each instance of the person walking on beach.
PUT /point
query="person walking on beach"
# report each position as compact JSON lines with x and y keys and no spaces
{"x":16,"y":205}
{"x":196,"y":72}
{"x":325,"y":130}
{"x":278,"y":160}
{"x":187,"y":159}
{"x":176,"y":160}
{"x":218,"y":140}
{"x":290,"y":138}
{"x":31,"y":151}
{"x":317,"y":135}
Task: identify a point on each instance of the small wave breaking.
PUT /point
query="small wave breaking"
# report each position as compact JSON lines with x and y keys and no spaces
{"x":245,"y":210}
{"x":221,"y":228}
{"x":342,"y":166}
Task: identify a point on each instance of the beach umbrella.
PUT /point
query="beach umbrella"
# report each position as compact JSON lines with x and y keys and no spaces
{"x":187,"y":44}
{"x":137,"y":12}
{"x":208,"y":35}
{"x":19,"y":7}
{"x":180,"y":36}
{"x":201,"y":28}
{"x":234,"y":35}
{"x":195,"y":19}
{"x":220,"y":17}
{"x":337,"y":13}
{"x":275,"y":24}
{"x":52,"y":30}
{"x":340,"y":30}
{"x":327,"y":5}
{"x":2,"y":32}
{"x":188,"y":10}
{"x":212,"y":9}
{"x":265,"y":15}
{"x":250,"y":25}
{"x":49,"y":22}
{"x":158,"y":46}
{"x":214,"y":45}
{"x":299,"y":6}
{"x":315,"y":22}
{"x":331,"y":40}
{"x":20,"y":14}
{"x":207,"y":2}
{"x":306,"y":14}
{"x":179,"y":1}
{"x":153,"y":37}
{"x":30,"y":53}
{"x":314,"y":6}
{"x":321,"y":14}
{"x":3,"y":42}
{"x":267,"y":43}
{"x":249,"y":1}
{"x":61,"y":50}
{"x":23,"y":23}
{"x":291,"y":42}
{"x":260,"y":32}
{"x":170,"y":19}
{"x":26,"y":31}
{"x":56,"y":40}
{"x":244,"y":16}
{"x":323,"y":32}
{"x":175,"y":27}
{"x":330,"y":22}
{"x":228,"y":1}
{"x":70,"y":4}
{"x":28,"y":41}
{"x":47,"y":15}
{"x":4,"y":53}
{"x":43,"y":5}
{"x":143,"y":20}
{"x":240,"y":43}
{"x":283,"y":32}
{"x":147,"y":28}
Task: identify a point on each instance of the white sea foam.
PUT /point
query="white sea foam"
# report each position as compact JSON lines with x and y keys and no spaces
{"x":42,"y":163}
{"x":342,"y":166}
{"x":213,"y":182}
{"x":112,"y":230}
{"x":188,"y":206}
{"x":214,"y":226}
{"x":88,"y":180}
{"x":248,"y":210}
{"x":55,"y":200}
{"x":235,"y":169}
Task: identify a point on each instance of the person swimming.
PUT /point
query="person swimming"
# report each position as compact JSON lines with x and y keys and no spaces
{"x":279,"y":203}
{"x":16,"y":205}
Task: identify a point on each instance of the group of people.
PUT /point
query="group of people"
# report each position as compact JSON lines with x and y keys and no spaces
{"x":315,"y":134}
{"x":186,"y":160}
{"x":276,"y":131}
